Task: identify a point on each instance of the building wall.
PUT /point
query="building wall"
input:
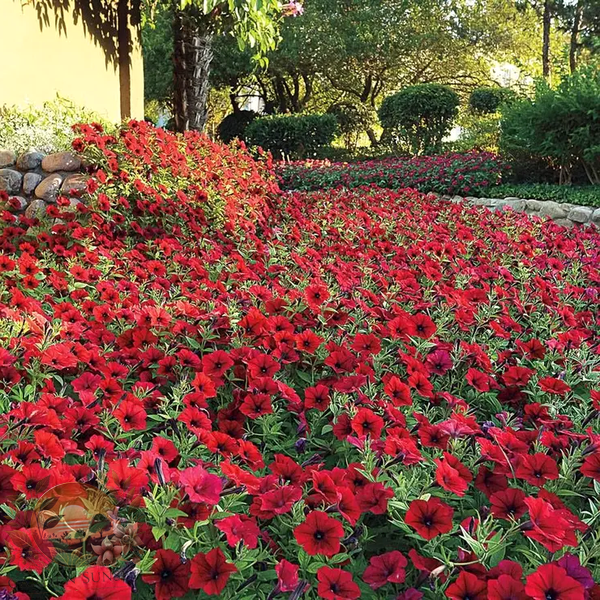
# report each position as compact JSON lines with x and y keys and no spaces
{"x":87,"y":51}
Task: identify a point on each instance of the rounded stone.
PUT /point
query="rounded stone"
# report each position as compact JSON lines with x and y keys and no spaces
{"x":74,"y":184}
{"x":580,"y":214}
{"x":516,"y":204}
{"x":596,"y":216}
{"x":534,"y":205}
{"x":7,"y":158}
{"x":552,"y":209}
{"x":37,"y":209}
{"x":49,"y":187}
{"x":30,"y":182}
{"x":10,"y":181}
{"x":29,"y":161}
{"x":61,"y":161}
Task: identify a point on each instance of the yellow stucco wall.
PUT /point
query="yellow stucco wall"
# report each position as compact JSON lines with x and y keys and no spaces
{"x":70,"y":48}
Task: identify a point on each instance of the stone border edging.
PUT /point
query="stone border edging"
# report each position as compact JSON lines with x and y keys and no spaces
{"x":34,"y":180}
{"x":568,"y":215}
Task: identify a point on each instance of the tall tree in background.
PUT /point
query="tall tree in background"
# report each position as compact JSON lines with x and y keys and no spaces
{"x":254,"y":24}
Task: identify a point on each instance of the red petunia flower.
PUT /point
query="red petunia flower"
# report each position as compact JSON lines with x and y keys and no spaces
{"x":200,"y":485}
{"x":506,"y":588}
{"x":551,"y":385}
{"x":429,"y":518}
{"x":336,"y":584}
{"x":29,"y":550}
{"x":169,"y":575}
{"x":508,"y":504}
{"x":97,"y":583}
{"x":537,"y":469}
{"x":467,"y":587}
{"x":319,"y":534}
{"x":287,"y":575}
{"x":210,"y":572}
{"x":551,"y":582}
{"x":385,"y":568}
{"x":452,"y":475}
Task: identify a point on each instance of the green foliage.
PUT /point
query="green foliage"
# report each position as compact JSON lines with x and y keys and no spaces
{"x":486,"y":100}
{"x":292,"y":136}
{"x":157,"y":42}
{"x":561,"y":126}
{"x":583,"y":195}
{"x":478,"y":132}
{"x":46,"y":128}
{"x":234,"y":125}
{"x":418,"y":117}
{"x":353,"y":120}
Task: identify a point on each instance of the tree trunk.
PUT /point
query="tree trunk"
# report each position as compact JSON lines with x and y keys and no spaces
{"x":575,"y":35}
{"x":199,"y":55}
{"x":180,"y":108}
{"x":547,"y":22}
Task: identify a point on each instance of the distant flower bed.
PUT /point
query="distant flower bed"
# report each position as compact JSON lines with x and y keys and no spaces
{"x":446,"y":174}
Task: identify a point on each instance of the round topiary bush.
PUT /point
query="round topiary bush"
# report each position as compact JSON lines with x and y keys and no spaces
{"x":487,"y":100}
{"x":234,"y":125}
{"x":418,"y":117}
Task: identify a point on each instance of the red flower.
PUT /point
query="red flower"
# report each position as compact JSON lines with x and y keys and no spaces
{"x":429,"y":518}
{"x":536,"y":469}
{"x":316,"y":295}
{"x":210,"y":572}
{"x":423,"y":326}
{"x":169,"y":574}
{"x":287,"y":575}
{"x":467,"y":587}
{"x":452,"y":475}
{"x":319,"y":534}
{"x":388,"y":567}
{"x":200,"y":485}
{"x":551,"y":582}
{"x":96,"y":583}
{"x":591,"y":466}
{"x":398,"y":392}
{"x":29,"y":550}
{"x":216,"y":363}
{"x":131,"y":415}
{"x":506,"y":588}
{"x":366,"y":422}
{"x":508,"y":504}
{"x":551,"y":385}
{"x":239,"y":528}
{"x":336,"y":584}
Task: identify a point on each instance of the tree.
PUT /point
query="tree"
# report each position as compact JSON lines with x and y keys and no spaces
{"x":253,"y":23}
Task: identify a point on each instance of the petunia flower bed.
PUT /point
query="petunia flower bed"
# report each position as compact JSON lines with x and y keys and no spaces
{"x":337,"y":394}
{"x":469,"y":173}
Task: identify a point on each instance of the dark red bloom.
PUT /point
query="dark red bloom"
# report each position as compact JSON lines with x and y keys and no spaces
{"x":210,"y":572}
{"x":319,"y":534}
{"x":385,"y":568}
{"x":551,"y":582}
{"x":429,"y":518}
{"x":169,"y":575}
{"x":467,"y":587}
{"x":96,"y":583}
{"x":336,"y":584}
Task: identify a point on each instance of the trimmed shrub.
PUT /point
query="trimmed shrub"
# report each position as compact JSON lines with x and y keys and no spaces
{"x":234,"y":125}
{"x":292,"y":136}
{"x":419,"y":117}
{"x":487,"y":100}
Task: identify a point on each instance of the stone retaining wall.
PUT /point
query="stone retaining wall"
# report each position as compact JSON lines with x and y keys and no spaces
{"x":35,"y":180}
{"x":568,"y":215}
